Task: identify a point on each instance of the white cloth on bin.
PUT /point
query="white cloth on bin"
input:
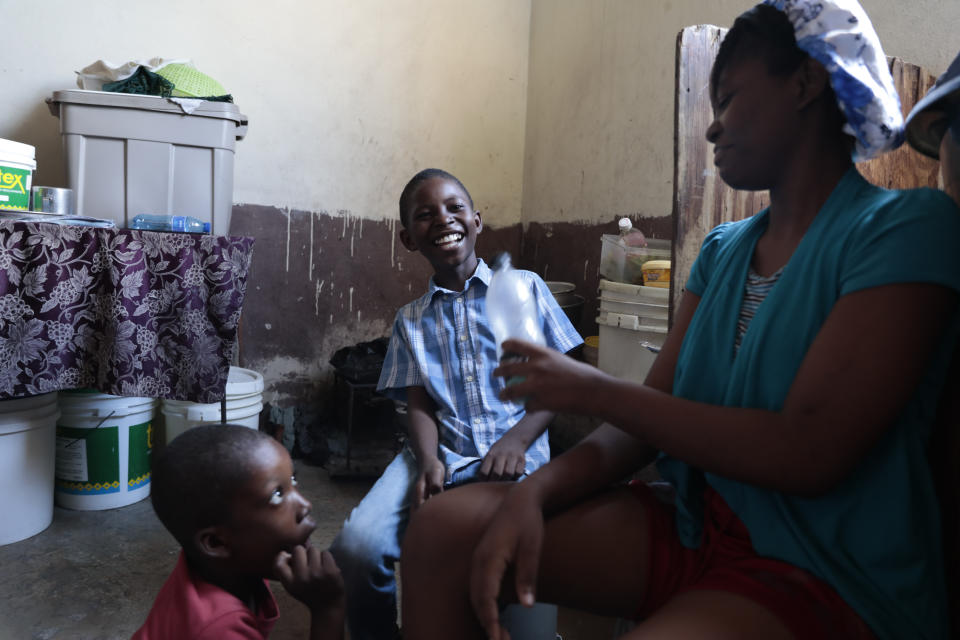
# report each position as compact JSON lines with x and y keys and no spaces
{"x":93,"y":76}
{"x":189,"y":105}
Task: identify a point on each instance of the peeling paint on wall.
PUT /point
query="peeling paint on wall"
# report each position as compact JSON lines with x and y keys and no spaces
{"x":312,"y":315}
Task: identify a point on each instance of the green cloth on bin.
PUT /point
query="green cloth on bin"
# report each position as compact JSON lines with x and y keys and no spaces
{"x":142,"y":82}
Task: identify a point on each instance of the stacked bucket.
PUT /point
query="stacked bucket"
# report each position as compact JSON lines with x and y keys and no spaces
{"x":85,"y":450}
{"x":633,"y":326}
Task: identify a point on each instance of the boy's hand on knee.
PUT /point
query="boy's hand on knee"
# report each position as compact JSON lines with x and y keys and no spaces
{"x":506,"y":459}
{"x":429,"y":481}
{"x":312,"y":577}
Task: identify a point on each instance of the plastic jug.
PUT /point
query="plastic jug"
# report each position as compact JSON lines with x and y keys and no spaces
{"x":512,"y":306}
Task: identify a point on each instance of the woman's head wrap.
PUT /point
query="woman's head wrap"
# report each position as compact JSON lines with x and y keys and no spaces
{"x":838,"y":34}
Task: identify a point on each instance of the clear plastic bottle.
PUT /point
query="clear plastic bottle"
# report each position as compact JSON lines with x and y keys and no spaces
{"x":630,"y":237}
{"x":160,"y":222}
{"x":512,"y":306}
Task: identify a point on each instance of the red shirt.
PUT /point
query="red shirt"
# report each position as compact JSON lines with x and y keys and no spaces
{"x":189,"y":608}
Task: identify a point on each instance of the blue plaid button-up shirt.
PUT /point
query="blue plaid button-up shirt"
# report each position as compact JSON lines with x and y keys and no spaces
{"x":441,"y":342}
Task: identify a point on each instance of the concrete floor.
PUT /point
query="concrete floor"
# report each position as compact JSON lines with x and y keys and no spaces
{"x":93,"y":575}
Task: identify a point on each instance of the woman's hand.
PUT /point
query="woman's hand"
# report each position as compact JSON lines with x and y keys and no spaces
{"x":429,"y":481}
{"x":513,"y":538}
{"x":548,"y":379}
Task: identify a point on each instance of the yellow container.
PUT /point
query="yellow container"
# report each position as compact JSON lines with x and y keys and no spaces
{"x":591,"y":345}
{"x":656,"y":273}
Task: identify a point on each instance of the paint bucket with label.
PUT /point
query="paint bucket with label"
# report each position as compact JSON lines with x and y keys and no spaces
{"x":17,"y":164}
{"x":244,"y":402}
{"x":103,"y":450}
{"x":27,"y":449}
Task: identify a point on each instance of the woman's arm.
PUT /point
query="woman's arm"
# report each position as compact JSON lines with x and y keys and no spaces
{"x":608,"y":453}
{"x":857,"y":376}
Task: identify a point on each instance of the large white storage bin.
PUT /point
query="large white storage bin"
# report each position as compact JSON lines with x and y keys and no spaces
{"x":130,"y":154}
{"x":633,"y":327}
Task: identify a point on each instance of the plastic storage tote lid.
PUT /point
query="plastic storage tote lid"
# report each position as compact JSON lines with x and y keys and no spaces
{"x":634,"y":292}
{"x":208,"y":109}
{"x":9,"y":148}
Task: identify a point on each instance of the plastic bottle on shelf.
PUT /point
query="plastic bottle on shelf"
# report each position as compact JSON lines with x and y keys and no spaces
{"x":512,"y":307}
{"x":628,"y":236}
{"x":161,"y":222}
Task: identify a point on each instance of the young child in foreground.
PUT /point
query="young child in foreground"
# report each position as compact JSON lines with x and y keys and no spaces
{"x":228,"y":495}
{"x":440,"y":362}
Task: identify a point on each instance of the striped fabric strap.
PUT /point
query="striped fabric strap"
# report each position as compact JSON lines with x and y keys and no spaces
{"x":755,"y":292}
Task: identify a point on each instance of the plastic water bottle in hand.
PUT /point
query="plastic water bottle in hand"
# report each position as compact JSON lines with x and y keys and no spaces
{"x":512,"y":308}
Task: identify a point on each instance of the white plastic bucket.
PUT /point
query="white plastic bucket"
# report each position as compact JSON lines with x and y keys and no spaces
{"x":27,"y":450}
{"x":632,"y":328}
{"x":17,"y":164}
{"x":244,"y":396}
{"x":104,"y":446}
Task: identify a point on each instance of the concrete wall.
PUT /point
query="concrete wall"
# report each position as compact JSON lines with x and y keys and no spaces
{"x":600,"y":107}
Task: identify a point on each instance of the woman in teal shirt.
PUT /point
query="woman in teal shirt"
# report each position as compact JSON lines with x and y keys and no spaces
{"x":790,"y":406}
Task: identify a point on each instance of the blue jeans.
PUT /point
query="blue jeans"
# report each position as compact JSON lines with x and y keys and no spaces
{"x":368,"y":548}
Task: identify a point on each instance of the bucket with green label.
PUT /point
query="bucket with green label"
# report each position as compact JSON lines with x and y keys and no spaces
{"x":104,"y":444}
{"x":17,"y":164}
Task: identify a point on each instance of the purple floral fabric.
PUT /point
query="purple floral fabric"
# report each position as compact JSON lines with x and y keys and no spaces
{"x":130,"y":313}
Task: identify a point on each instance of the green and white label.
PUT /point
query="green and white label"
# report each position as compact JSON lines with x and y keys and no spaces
{"x":15,"y":187}
{"x":138,"y":460}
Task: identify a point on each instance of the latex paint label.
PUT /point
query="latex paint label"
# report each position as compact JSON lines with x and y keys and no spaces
{"x":15,"y":187}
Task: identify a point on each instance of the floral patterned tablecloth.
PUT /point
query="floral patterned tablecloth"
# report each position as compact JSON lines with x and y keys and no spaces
{"x":131,"y":313}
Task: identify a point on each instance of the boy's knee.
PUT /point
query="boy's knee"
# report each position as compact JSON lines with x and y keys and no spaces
{"x":353,"y":544}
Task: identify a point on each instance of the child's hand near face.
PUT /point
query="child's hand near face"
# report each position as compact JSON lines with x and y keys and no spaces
{"x":312,"y":577}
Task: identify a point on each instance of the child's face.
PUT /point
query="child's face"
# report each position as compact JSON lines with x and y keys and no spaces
{"x":754,"y":123}
{"x":441,"y":224}
{"x":269,"y":515}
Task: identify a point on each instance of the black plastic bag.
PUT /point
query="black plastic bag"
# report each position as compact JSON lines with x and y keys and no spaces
{"x":361,"y":362}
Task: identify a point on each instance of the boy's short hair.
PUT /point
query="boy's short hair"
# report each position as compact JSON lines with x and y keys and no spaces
{"x":423,"y":176}
{"x":195,"y":477}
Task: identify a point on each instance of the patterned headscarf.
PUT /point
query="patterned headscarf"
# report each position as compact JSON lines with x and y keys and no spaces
{"x":838,"y":34}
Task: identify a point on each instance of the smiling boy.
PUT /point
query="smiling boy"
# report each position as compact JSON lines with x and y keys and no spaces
{"x":440,"y":363}
{"x":228,"y":495}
